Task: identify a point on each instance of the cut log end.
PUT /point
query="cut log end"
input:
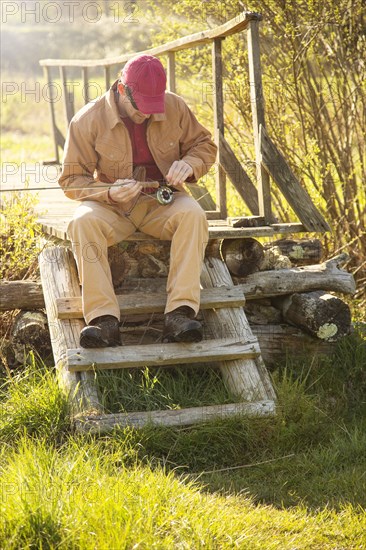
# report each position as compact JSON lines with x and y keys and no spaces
{"x":242,"y":256}
{"x":322,"y":315}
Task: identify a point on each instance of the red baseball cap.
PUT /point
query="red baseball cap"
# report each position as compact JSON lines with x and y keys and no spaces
{"x":145,"y":76}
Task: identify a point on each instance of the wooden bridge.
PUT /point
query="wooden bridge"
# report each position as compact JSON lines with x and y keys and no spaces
{"x":232,"y":344}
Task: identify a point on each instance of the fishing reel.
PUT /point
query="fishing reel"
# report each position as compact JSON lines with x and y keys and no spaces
{"x":164,"y":195}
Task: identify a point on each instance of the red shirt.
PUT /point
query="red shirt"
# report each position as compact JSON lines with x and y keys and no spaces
{"x":141,"y":153}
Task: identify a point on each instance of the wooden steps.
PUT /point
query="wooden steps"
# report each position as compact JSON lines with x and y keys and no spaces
{"x":105,"y":423}
{"x":135,"y":302}
{"x":155,"y":355}
{"x":233,"y":347}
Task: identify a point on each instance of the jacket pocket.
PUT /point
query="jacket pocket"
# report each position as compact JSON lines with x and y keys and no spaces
{"x":108,"y":150}
{"x":169,"y":142}
{"x":111,"y":160}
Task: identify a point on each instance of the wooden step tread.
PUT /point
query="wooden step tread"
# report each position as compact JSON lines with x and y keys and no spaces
{"x":81,"y":359}
{"x":181,"y":417}
{"x":56,"y":226}
{"x":141,"y":302}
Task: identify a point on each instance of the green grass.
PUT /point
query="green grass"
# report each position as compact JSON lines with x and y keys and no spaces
{"x":162,"y":388}
{"x":83,"y":496}
{"x":293,"y":481}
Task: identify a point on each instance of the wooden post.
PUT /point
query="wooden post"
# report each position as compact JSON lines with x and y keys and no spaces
{"x":247,"y":378}
{"x":171,"y":72}
{"x":257,"y":102}
{"x":68,"y":97}
{"x":60,"y":280}
{"x":219,"y":124}
{"x":51,"y":101}
{"x":107,"y":75}
{"x":238,"y":176}
{"x":85,"y":84}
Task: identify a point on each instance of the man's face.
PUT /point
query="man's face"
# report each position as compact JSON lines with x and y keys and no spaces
{"x":131,"y":108}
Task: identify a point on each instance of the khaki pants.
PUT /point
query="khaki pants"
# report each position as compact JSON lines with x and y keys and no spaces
{"x":95,"y":227}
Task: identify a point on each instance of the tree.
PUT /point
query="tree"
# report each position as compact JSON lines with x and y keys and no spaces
{"x":314,"y":78}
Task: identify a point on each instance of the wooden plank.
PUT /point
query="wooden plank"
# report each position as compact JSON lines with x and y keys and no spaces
{"x":68,"y":96}
{"x":107,"y":76}
{"x":247,"y":378}
{"x":213,"y":215}
{"x":171,"y":84}
{"x":297,"y":197}
{"x":161,"y":355}
{"x":182,"y":417}
{"x":57,"y":228}
{"x":60,"y":140}
{"x":51,"y":101}
{"x":219,"y":124}
{"x":229,"y":232}
{"x":85,"y":75}
{"x":60,"y":280}
{"x":235,"y":25}
{"x":139,"y":303}
{"x":257,"y":104}
{"x":238,"y":176}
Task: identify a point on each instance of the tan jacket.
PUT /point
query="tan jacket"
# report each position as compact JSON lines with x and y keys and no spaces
{"x":98,"y":147}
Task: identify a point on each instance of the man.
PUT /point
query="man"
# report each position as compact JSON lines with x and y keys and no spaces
{"x":136,"y":127}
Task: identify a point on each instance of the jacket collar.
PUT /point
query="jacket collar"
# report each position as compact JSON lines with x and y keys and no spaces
{"x":112,"y":112}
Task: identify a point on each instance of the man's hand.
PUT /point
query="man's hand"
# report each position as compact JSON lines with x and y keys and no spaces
{"x":125,"y":192}
{"x":178,"y":173}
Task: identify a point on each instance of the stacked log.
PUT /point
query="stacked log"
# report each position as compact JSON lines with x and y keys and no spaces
{"x":287,"y":295}
{"x":297,"y":294}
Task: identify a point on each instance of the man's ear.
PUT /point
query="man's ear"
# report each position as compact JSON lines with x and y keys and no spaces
{"x":121,"y":89}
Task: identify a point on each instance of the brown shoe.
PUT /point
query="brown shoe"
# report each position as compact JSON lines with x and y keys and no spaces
{"x":101,"y":332}
{"x":180,"y":326}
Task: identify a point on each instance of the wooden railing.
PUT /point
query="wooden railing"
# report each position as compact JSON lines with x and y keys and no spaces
{"x":228,"y":164}
{"x":257,"y":197}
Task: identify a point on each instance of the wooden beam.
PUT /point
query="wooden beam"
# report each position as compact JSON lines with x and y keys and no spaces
{"x":238,"y":176}
{"x":257,"y":103}
{"x":244,"y":377}
{"x":183,"y":417}
{"x":51,"y":101}
{"x":295,"y":194}
{"x":235,"y":25}
{"x":139,"y":303}
{"x":68,"y":96}
{"x":267,"y":231}
{"x":60,"y":140}
{"x":60,"y":280}
{"x":219,"y":123}
{"x":171,"y":84}
{"x":160,"y":354}
{"x":85,"y":75}
{"x":107,"y":76}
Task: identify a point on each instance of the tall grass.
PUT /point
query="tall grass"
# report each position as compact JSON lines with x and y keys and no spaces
{"x":32,"y":405}
{"x":293,"y":481}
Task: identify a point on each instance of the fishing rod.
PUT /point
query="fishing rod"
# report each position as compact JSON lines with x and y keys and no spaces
{"x":163,"y":194}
